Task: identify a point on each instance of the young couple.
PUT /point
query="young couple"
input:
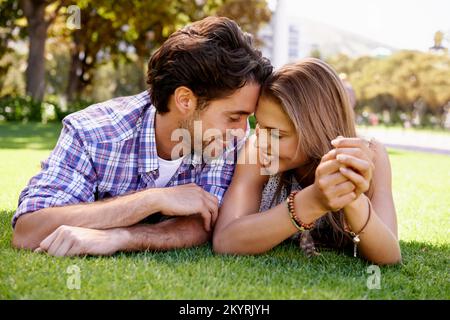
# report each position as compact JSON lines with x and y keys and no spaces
{"x":112,"y":183}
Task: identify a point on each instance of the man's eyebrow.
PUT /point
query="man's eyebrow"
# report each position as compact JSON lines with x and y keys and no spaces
{"x":245,"y":113}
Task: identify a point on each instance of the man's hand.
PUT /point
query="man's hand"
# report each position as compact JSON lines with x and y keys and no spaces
{"x":189,"y":199}
{"x":74,"y":241}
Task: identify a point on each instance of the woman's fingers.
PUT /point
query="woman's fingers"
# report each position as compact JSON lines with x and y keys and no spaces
{"x":341,"y":142}
{"x":359,"y":181}
{"x":328,"y":167}
{"x":355,"y":152}
{"x":363,"y":166}
{"x":330,"y":155}
{"x":344,"y":200}
{"x":344,"y":188}
{"x":333,"y":179}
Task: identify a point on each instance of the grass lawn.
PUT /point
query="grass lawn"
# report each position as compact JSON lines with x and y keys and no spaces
{"x":421,"y":189}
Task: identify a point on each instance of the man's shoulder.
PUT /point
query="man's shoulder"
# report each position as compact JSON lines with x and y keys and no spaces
{"x":113,"y":120}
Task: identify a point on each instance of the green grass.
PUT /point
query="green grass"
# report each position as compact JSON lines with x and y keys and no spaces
{"x":421,"y":185}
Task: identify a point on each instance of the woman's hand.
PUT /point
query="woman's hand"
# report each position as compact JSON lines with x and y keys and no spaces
{"x":332,"y":188}
{"x":357,"y":162}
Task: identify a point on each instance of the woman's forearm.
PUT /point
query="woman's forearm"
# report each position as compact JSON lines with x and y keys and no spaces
{"x":259,"y":232}
{"x":378,"y":244}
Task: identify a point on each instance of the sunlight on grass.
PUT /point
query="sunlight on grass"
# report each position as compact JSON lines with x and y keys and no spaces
{"x":421,"y":183}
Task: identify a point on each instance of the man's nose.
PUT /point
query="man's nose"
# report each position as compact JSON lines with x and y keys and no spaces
{"x":239,"y":129}
{"x":242,"y":125}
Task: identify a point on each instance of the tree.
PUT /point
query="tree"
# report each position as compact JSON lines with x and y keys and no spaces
{"x":107,"y":34}
{"x":409,"y":82}
{"x":40,"y":14}
{"x":9,"y":30}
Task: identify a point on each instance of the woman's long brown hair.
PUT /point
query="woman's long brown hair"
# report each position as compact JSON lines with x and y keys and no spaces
{"x":314,"y":98}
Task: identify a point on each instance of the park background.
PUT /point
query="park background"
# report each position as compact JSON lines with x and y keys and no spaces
{"x":59,"y":56}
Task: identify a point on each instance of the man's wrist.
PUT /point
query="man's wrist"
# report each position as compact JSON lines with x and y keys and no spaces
{"x":155,"y":199}
{"x":121,"y":238}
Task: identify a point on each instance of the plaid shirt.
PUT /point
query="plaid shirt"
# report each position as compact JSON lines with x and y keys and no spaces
{"x":109,"y":149}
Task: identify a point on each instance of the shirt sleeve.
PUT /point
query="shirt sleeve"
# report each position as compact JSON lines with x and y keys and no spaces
{"x":67,"y":177}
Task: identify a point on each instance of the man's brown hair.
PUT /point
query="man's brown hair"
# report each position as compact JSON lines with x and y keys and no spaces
{"x":213,"y":57}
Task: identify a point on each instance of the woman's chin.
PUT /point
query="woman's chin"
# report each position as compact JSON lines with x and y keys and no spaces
{"x":271,"y":168}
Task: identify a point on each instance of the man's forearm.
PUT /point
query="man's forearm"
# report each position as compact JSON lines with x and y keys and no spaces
{"x":180,"y":232}
{"x":32,"y":228}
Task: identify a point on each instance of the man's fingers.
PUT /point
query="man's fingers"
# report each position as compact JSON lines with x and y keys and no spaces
{"x":45,"y":244}
{"x":213,"y":206}
{"x":212,"y":198}
{"x":73,"y":251}
{"x":214,"y":212}
{"x":206,"y":219}
{"x":56,"y":244}
{"x":38,"y":250}
{"x":63,"y":248}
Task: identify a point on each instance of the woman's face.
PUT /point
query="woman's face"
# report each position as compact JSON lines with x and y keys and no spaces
{"x":273,"y":125}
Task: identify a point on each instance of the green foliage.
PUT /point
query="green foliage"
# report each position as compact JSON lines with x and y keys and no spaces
{"x":26,"y":109}
{"x":118,"y":32}
{"x":62,"y":111}
{"x":409,"y":82}
{"x":9,"y":31}
{"x":20,"y":109}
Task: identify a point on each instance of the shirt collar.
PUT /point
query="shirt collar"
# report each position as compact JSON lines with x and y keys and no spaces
{"x":148,"y":156}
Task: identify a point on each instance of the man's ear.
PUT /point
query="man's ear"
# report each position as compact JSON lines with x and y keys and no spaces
{"x":185,"y":100}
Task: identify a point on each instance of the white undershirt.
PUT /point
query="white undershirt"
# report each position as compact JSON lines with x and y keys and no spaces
{"x":167,"y":169}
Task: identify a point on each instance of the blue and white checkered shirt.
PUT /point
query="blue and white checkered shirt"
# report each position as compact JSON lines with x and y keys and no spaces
{"x":109,"y":149}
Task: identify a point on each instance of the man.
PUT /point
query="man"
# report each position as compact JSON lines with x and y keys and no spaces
{"x":122,"y":153}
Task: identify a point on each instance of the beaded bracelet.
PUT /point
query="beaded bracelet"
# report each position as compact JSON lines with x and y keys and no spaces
{"x":295,"y":220}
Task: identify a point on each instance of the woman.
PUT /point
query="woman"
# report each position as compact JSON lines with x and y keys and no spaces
{"x":327,"y":190}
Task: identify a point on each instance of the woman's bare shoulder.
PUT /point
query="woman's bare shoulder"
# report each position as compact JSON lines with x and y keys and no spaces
{"x":382,"y":175}
{"x":381,"y":156}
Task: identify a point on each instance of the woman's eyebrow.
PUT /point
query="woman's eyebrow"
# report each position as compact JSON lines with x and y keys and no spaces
{"x":272,"y":128}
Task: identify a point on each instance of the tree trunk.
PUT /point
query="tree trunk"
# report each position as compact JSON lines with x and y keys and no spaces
{"x":37,"y":32}
{"x":74,"y":85}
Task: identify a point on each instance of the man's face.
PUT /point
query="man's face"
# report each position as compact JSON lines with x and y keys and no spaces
{"x":222,"y":115}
